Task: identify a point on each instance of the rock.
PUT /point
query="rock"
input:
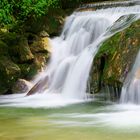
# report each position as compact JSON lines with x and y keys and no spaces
{"x":28,"y":70}
{"x":21,"y":56}
{"x":41,"y":45}
{"x":39,"y":86}
{"x":3,"y":49}
{"x":24,"y":50}
{"x":31,"y":38}
{"x":9,"y":73}
{"x":10,"y":39}
{"x":44,"y":34}
{"x":21,"y":86}
{"x":119,"y":54}
{"x":41,"y":60}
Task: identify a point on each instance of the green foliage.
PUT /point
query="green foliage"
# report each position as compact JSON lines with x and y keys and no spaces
{"x":19,"y":11}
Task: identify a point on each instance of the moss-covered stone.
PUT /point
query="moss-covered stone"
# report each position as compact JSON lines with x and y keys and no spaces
{"x":9,"y":73}
{"x":3,"y":49}
{"x":24,"y":50}
{"x":118,"y":54}
{"x":21,"y":56}
{"x":41,"y":45}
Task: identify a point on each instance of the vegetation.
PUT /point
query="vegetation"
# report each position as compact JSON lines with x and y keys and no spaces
{"x":17,"y":12}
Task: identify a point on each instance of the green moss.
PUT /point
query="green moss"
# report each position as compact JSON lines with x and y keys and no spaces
{"x":3,"y":49}
{"x":120,"y":52}
{"x":9,"y":73}
{"x":109,"y":46}
{"x":9,"y":38}
{"x":28,"y":70}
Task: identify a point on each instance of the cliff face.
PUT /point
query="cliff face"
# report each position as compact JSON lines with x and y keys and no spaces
{"x":115,"y":59}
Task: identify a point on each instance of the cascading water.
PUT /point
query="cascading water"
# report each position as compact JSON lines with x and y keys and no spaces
{"x":74,"y":58}
{"x":74,"y":51}
{"x":131,"y":88}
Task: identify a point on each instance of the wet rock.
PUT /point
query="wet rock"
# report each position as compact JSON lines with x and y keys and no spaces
{"x":120,"y":52}
{"x":21,"y":86}
{"x":39,"y":86}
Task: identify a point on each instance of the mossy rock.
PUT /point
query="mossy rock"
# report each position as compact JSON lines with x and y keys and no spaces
{"x":119,"y":53}
{"x":28,"y":71}
{"x":21,"y":52}
{"x":9,"y":73}
{"x":3,"y":49}
{"x":9,"y":38}
{"x":24,"y":50}
{"x":41,"y":60}
{"x":21,"y":56}
{"x":41,"y":45}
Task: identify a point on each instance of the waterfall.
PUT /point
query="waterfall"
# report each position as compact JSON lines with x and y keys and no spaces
{"x":74,"y":51}
{"x":131,"y":88}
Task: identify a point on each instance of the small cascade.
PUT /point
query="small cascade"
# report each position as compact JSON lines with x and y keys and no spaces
{"x":71,"y":59}
{"x":131,"y":88}
{"x":108,"y":4}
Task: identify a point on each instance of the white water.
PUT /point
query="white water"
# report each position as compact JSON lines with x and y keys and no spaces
{"x":131,"y":88}
{"x":72,"y":56}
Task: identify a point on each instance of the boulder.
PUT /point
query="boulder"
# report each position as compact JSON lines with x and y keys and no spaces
{"x":21,"y":86}
{"x":41,"y":85}
{"x":43,"y":34}
{"x":9,"y":73}
{"x":42,"y":45}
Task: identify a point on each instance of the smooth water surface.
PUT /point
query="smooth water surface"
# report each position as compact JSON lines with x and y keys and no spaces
{"x":83,"y":121}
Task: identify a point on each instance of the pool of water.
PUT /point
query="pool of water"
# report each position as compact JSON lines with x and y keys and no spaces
{"x":81,"y":121}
